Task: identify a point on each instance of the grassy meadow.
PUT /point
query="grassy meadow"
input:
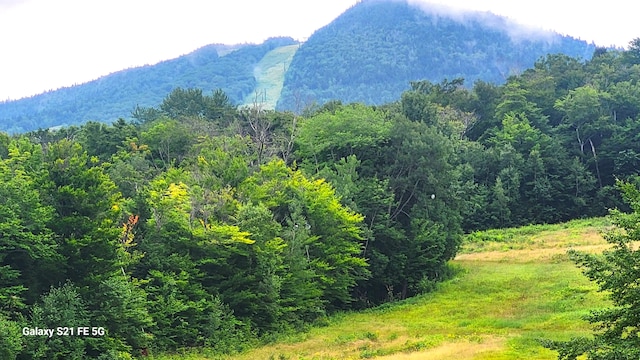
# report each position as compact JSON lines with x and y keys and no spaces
{"x":269,"y":74}
{"x":513,"y":287}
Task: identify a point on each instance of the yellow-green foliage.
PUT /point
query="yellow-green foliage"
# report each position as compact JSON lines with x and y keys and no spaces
{"x":221,"y":233}
{"x":168,"y":199}
{"x":353,"y":126}
{"x":324,"y":229}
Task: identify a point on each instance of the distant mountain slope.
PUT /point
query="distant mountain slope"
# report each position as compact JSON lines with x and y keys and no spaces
{"x":368,"y":54}
{"x":269,"y":74}
{"x":113,"y":96}
{"x":372,"y":51}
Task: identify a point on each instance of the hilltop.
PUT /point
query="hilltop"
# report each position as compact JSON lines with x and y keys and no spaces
{"x":375,"y":49}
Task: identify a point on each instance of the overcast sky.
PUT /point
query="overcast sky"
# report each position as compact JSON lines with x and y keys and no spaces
{"x":47,"y":44}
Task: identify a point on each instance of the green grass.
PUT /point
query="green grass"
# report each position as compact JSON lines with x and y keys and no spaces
{"x":269,"y":74}
{"x":501,"y":302}
{"x":579,"y":232}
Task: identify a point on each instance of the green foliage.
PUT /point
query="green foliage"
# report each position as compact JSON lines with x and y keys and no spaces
{"x":27,"y":247}
{"x":129,"y":168}
{"x":124,"y":312}
{"x":186,"y":103}
{"x":374,"y":50}
{"x":267,"y":309}
{"x":632,"y":56}
{"x":11,"y":339}
{"x":64,"y":307}
{"x":175,"y":268}
{"x":387,"y":168}
{"x":616,"y":273}
{"x":222,"y":161}
{"x":168,"y":141}
{"x":342,"y":132}
{"x":185,"y":315}
{"x":103,"y":141}
{"x":86,"y":205}
{"x":322,"y":236}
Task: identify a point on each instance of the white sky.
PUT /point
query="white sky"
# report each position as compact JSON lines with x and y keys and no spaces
{"x":47,"y":44}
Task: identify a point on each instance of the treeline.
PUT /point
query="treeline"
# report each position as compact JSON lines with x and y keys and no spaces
{"x":201,"y":224}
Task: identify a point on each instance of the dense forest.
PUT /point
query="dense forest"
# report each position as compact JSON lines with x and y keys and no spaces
{"x":201,"y":224}
{"x":369,"y":54}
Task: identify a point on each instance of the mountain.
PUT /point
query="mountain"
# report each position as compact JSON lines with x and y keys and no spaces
{"x":368,"y":54}
{"x":372,"y":51}
{"x":230,"y":68}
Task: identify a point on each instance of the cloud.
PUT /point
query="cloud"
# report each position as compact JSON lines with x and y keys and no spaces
{"x":516,"y":30}
{"x":5,"y":4}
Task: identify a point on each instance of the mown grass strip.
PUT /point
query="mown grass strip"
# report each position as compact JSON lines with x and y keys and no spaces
{"x":269,"y":74}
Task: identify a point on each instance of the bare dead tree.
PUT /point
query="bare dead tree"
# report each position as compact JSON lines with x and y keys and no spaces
{"x":260,"y":126}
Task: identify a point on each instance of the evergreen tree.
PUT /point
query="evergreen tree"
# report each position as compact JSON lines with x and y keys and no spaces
{"x":617,"y":335}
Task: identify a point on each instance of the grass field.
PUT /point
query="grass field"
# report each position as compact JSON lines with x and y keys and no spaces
{"x":514,"y":286}
{"x":269,"y":74}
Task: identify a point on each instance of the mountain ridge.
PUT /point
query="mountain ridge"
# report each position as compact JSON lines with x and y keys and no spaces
{"x":387,"y":44}
{"x":368,"y":54}
{"x":116,"y":95}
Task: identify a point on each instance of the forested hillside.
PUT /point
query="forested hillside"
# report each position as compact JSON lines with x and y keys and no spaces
{"x":371,"y":52}
{"x":203,"y":225}
{"x":116,"y":96}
